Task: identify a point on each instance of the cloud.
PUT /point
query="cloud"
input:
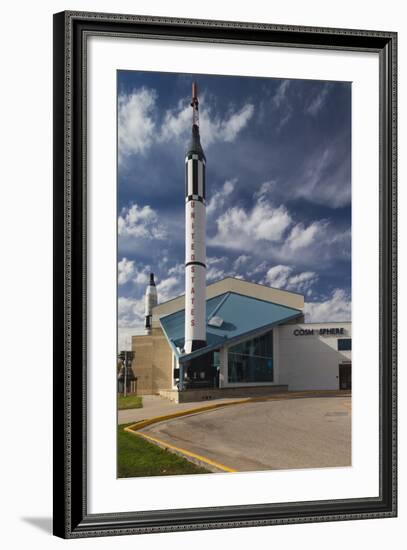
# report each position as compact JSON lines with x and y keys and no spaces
{"x":230,"y":128}
{"x":281,"y":105}
{"x":241,"y":229}
{"x":141,"y":222}
{"x":278,"y":275}
{"x":135,"y":122}
{"x":265,"y":189}
{"x":325,"y":177}
{"x":302,"y":237}
{"x":337,"y":308}
{"x":281,"y":93}
{"x":125,"y":336}
{"x":240,"y":261}
{"x":267,"y":230}
{"x":218,"y":199}
{"x":178,"y":269}
{"x":177,"y":123}
{"x":302,"y":282}
{"x":139,"y":128}
{"x":170,"y":287}
{"x":130,"y":311}
{"x":318,"y":101}
{"x":258,"y":268}
{"x":125,"y":270}
{"x":281,"y":276}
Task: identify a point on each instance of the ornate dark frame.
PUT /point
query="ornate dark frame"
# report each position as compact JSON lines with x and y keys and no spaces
{"x":71,"y":518}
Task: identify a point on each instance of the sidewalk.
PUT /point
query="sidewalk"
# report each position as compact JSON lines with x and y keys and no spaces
{"x":155,"y":405}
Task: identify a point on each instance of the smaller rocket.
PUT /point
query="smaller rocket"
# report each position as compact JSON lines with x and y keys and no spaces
{"x":150,"y":301}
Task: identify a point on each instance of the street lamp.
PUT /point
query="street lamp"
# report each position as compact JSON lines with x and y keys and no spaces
{"x":126,"y":357}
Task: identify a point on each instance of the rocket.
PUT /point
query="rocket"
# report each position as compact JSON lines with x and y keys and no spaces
{"x":150,"y":300}
{"x":195,"y":236}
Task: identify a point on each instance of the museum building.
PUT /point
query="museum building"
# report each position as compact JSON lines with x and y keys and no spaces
{"x":231,"y":337}
{"x":256,"y":343}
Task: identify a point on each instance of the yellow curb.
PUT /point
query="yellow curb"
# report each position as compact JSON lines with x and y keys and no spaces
{"x":148,"y":421}
{"x":278,"y":396}
{"x":134,"y":428}
{"x":203,"y":459}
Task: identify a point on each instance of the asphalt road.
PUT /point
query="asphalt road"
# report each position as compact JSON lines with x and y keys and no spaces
{"x":268,"y":435}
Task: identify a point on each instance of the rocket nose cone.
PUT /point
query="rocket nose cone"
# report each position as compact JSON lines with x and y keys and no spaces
{"x":152,"y":283}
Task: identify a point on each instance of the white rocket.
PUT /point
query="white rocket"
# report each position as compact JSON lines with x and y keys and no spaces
{"x":195,"y":240}
{"x":150,"y":300}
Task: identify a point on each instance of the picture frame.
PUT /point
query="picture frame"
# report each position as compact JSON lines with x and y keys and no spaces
{"x":71,"y":513}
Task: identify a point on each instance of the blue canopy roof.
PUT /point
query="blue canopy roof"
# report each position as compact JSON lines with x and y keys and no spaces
{"x":241,"y":315}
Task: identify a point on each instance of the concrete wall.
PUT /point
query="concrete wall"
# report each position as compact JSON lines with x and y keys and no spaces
{"x":308,"y":362}
{"x":152,"y":364}
{"x":143,"y":363}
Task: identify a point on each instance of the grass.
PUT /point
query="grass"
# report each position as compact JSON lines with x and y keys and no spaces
{"x":137,"y":457}
{"x":129,"y":402}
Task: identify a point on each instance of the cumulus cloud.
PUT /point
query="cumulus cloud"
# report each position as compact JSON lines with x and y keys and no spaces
{"x":302,"y":282}
{"x":240,"y":261}
{"x":178,"y":269}
{"x":218,"y":198}
{"x":136,"y":125}
{"x":141,"y":222}
{"x":125,"y":336}
{"x":265,"y":228}
{"x":170,"y":288}
{"x":336,"y":308}
{"x":217,"y":268}
{"x":258,"y":268}
{"x":283,"y":276}
{"x":302,"y":236}
{"x":130,"y":311}
{"x":278,"y":275}
{"x":238,"y":228}
{"x":125,"y":269}
{"x":139,"y":128}
{"x":177,"y":123}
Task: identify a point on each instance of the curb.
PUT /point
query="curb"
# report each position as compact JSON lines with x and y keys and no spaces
{"x":217,"y":466}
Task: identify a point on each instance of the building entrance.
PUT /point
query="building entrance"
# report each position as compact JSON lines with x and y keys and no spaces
{"x":345,"y":376}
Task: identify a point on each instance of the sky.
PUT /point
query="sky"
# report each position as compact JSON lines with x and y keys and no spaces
{"x":278,"y":187}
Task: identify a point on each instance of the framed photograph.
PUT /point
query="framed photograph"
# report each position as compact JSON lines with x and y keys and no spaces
{"x":224,"y":274}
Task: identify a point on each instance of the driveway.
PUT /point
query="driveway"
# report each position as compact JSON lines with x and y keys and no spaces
{"x":265,"y":435}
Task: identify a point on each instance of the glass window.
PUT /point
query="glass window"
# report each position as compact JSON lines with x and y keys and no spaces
{"x":344,"y":344}
{"x":251,"y":361}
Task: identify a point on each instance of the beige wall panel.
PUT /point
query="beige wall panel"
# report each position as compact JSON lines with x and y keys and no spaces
{"x":278,"y":296}
{"x":162,"y":362}
{"x":143,"y":363}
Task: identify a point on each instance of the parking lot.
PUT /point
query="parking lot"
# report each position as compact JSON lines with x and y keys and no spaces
{"x":312,"y":432}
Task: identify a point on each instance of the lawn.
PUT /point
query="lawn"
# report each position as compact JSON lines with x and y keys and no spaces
{"x":137,"y":457}
{"x":129,"y":402}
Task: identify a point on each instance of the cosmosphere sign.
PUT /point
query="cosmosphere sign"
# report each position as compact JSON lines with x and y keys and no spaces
{"x":320,"y":331}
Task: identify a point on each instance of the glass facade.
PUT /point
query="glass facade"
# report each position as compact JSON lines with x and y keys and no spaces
{"x":251,"y":361}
